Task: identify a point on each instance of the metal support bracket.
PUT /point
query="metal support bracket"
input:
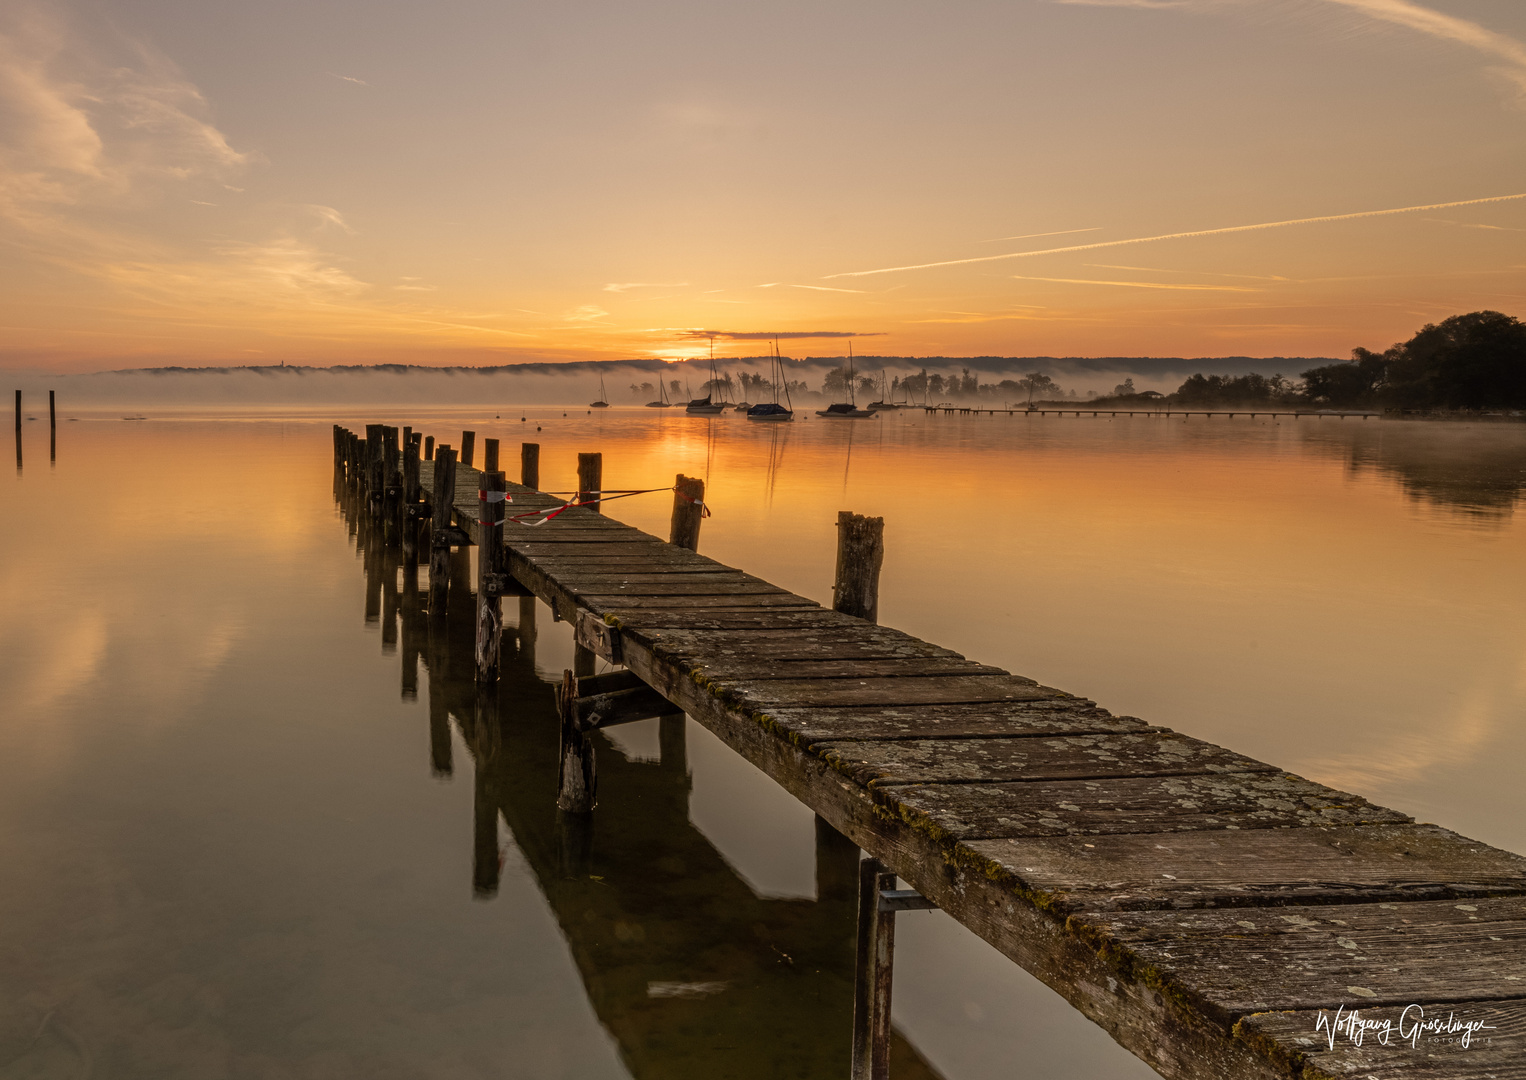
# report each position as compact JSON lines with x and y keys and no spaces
{"x":878,"y":901}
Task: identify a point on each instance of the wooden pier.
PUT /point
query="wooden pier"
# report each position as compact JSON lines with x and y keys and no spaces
{"x":1163,"y":413}
{"x":1210,"y":911}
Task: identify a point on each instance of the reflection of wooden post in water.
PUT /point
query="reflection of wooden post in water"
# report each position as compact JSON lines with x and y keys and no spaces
{"x":527,"y":632}
{"x":590,"y":480}
{"x":490,"y":583}
{"x":836,"y":864}
{"x":468,"y":442}
{"x":413,"y":629}
{"x":529,"y":465}
{"x":485,"y":868}
{"x":688,"y":511}
{"x":673,"y":744}
{"x":391,"y":599}
{"x":439,"y":544}
{"x":860,"y":553}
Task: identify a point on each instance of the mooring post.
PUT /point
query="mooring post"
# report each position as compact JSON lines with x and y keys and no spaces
{"x":374,"y":466}
{"x":439,"y":542}
{"x":53,"y":429}
{"x":688,"y":512}
{"x":860,"y":553}
{"x":18,"y":412}
{"x":577,"y":784}
{"x":490,"y":585}
{"x":489,"y":455}
{"x":590,"y":480}
{"x":412,"y":497}
{"x":468,"y":443}
{"x":529,"y":465}
{"x":872,"y":974}
{"x":429,"y":448}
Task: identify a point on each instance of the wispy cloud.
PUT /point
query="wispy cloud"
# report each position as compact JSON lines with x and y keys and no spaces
{"x":692,"y":334}
{"x":813,"y":288}
{"x":1162,"y":270}
{"x":1036,"y":235}
{"x":1125,"y":3}
{"x":627,"y":286}
{"x":329,"y":216}
{"x":1510,"y":52}
{"x":585,"y":313}
{"x":1140,"y":284}
{"x":349,"y":79}
{"x":1179,"y":236}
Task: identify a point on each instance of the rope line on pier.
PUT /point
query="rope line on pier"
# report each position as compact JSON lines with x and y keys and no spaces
{"x":532,"y":518}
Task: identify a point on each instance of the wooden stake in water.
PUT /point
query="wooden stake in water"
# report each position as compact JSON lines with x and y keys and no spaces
{"x":688,"y":512}
{"x":489,"y":455}
{"x":412,"y":494}
{"x":872,"y":975}
{"x":860,"y":553}
{"x":468,"y":443}
{"x":590,"y":480}
{"x":429,"y":448}
{"x":529,"y":465}
{"x":52,"y":429}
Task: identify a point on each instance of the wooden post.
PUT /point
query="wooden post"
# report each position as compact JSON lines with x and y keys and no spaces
{"x":429,"y":448}
{"x":860,"y":553}
{"x":872,"y":975}
{"x":18,"y":412}
{"x":578,"y":784}
{"x":688,"y":512}
{"x":490,"y":499}
{"x":468,"y":443}
{"x":439,"y":546}
{"x":529,"y":465}
{"x":53,"y":429}
{"x":489,"y":455}
{"x":392,"y":480}
{"x":590,"y":479}
{"x":412,"y":495}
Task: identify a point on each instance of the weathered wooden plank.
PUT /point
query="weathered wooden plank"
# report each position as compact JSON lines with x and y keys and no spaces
{"x":647,"y":622}
{"x":1057,"y":715}
{"x":865,"y":641}
{"x":1239,"y":961}
{"x":616,"y":602}
{"x":1230,"y":801}
{"x":569,"y":535}
{"x":1074,"y":757}
{"x":898,"y":667}
{"x":673,"y":585}
{"x":1221,"y":868}
{"x":535,"y":547}
{"x":1305,"y":1046}
{"x":930,"y":690}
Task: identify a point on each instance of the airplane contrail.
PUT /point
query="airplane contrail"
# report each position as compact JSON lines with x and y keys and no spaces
{"x":1178,"y":236}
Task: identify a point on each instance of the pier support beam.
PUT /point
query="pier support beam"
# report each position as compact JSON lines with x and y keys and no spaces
{"x":878,"y":901}
{"x":577,"y":784}
{"x":860,"y":554}
{"x":688,"y":511}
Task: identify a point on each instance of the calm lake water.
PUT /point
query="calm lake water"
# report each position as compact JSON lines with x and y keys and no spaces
{"x":255,"y":824}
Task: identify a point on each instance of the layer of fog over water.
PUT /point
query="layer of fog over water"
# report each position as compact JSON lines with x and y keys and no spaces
{"x":234,"y":845}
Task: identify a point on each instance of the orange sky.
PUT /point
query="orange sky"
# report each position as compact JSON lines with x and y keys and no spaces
{"x":332,"y":182}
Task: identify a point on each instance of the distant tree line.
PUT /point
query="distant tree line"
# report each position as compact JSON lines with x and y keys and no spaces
{"x":1468,"y":362}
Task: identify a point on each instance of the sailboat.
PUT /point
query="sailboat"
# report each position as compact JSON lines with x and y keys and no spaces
{"x":662,"y":401}
{"x":603,"y":402}
{"x":772,"y":410}
{"x":884,"y":402}
{"x":846,"y":410}
{"x":707,"y":406}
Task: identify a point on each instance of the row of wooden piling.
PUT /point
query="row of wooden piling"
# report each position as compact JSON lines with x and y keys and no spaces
{"x":384,"y":473}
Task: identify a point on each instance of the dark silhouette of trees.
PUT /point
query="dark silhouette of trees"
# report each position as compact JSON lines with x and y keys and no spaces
{"x":1214,"y":391}
{"x":1473,"y":361}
